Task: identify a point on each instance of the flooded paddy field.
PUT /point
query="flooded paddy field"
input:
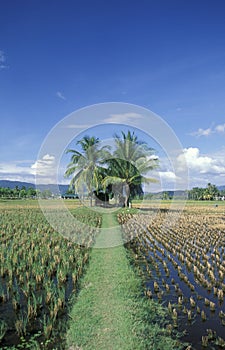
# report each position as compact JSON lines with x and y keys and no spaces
{"x":181,"y":258}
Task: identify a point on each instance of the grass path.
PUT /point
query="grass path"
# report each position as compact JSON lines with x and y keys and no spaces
{"x":106,"y":313}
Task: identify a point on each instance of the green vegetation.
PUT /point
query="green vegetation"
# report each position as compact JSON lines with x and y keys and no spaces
{"x":120,"y":173}
{"x":110,"y":311}
{"x":39,"y":271}
{"x":211,"y":192}
{"x":128,"y":165}
{"x":85,"y":167}
{"x":23,"y":192}
{"x":119,"y":303}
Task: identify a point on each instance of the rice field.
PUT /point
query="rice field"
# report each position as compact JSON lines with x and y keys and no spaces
{"x":183,"y":267}
{"x":181,"y":264}
{"x":39,"y":271}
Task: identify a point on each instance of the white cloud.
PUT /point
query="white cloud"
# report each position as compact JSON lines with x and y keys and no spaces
{"x":60,"y":95}
{"x":122,"y":118}
{"x":201,"y":164}
{"x":17,"y":171}
{"x":220,"y":128}
{"x":44,"y":167}
{"x":27,"y":170}
{"x":2,"y":60}
{"x":202,"y":132}
{"x":167,"y":175}
{"x":78,"y":126}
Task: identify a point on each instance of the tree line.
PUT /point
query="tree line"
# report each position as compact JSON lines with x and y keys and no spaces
{"x":23,"y":192}
{"x":211,"y":192}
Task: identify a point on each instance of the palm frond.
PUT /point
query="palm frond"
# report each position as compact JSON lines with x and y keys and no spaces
{"x":112,"y":180}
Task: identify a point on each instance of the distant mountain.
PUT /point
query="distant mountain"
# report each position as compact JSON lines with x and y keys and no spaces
{"x":178,"y":194}
{"x":55,"y":189}
{"x":60,"y":189}
{"x":221,"y":188}
{"x":13,"y":184}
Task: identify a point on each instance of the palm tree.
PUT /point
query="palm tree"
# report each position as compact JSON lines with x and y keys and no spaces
{"x":86,"y":166}
{"x":131,"y":161}
{"x":210,"y":192}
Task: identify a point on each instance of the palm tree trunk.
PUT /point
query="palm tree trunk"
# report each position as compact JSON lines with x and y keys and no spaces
{"x":127,"y":194}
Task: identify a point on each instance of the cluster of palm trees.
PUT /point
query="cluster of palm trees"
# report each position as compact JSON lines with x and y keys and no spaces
{"x":119,"y":171}
{"x":209,"y":193}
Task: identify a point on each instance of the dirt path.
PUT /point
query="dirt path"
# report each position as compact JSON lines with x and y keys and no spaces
{"x":102,"y":316}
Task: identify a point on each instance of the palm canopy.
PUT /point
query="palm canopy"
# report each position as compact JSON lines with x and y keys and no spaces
{"x":129,"y":165}
{"x":85,"y":166}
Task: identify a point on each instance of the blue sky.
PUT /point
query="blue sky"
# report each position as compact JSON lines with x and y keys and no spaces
{"x":59,"y":56}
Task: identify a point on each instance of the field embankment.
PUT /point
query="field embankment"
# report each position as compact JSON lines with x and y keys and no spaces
{"x":110,"y":311}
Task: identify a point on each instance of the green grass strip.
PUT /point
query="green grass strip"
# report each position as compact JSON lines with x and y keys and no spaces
{"x":109,"y":312}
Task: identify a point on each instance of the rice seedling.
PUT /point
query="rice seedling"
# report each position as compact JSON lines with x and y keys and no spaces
{"x":3,"y":329}
{"x":21,"y":324}
{"x":220,"y":294}
{"x":192,"y":302}
{"x":220,"y":342}
{"x":169,"y":307}
{"x":207,"y":302}
{"x":38,"y":270}
{"x":212,"y":306}
{"x":189,"y":313}
{"x":174,"y":314}
{"x":203,"y":315}
{"x":205,"y":341}
{"x":156,"y":287}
